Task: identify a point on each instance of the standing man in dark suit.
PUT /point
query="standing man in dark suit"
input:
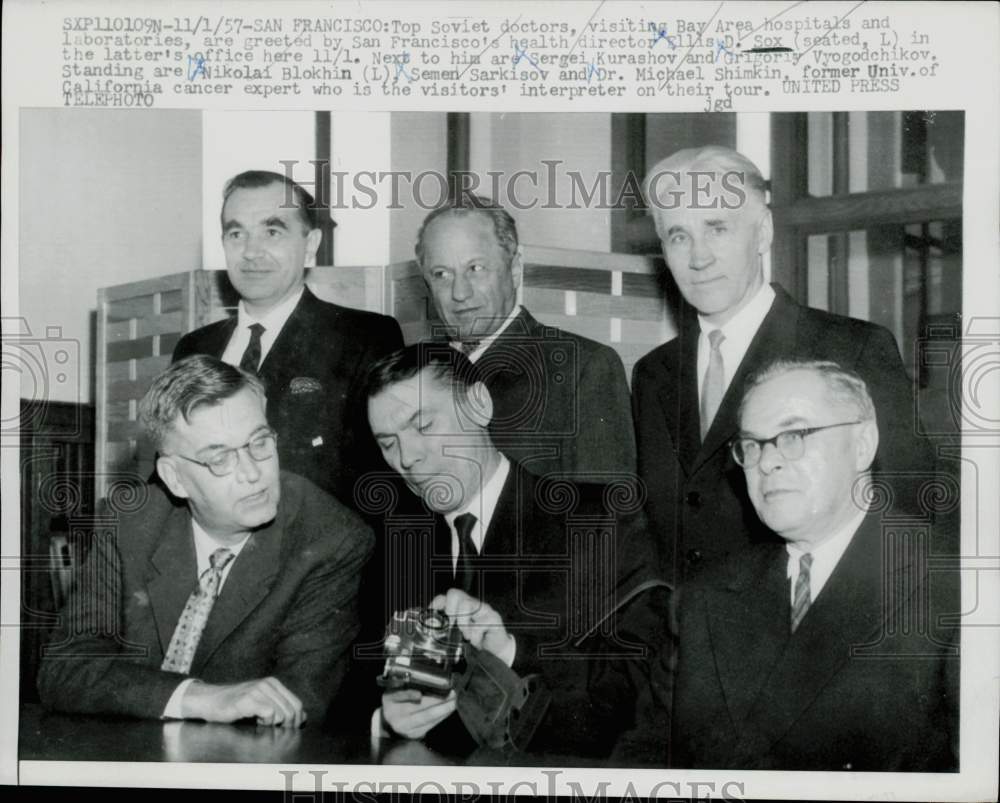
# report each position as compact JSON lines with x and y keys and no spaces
{"x":710,"y":213}
{"x":310,"y":355}
{"x":526,"y":565}
{"x":560,"y":401}
{"x":836,"y":649}
{"x":240,"y":601}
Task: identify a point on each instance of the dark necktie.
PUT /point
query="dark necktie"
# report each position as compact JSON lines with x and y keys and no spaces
{"x":713,"y":387}
{"x":250,"y":361}
{"x":187,"y":632}
{"x":466,"y":576}
{"x":801,"y":599}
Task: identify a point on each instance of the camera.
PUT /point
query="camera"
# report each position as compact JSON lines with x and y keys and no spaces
{"x":422,"y":647}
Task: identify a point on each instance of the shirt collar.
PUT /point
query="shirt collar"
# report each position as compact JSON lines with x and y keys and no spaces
{"x":274,"y":319}
{"x":487,"y":341}
{"x":829,"y":552}
{"x":744,"y":324}
{"x":205,"y":545}
{"x":483,"y":504}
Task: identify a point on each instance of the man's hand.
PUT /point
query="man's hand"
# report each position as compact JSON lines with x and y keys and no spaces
{"x":411,"y":714}
{"x":479,"y":623}
{"x":266,"y":699}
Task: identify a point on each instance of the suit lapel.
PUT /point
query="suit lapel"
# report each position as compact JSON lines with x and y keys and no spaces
{"x":173,"y":573}
{"x":295,"y":345}
{"x":748,"y":627}
{"x":248,"y":582}
{"x":848,"y":611}
{"x":218,"y":338}
{"x":679,"y":394}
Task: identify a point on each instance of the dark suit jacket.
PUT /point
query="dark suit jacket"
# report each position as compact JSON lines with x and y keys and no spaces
{"x":544,"y":570}
{"x":868,"y":681}
{"x":287,"y":609}
{"x":697,"y":500}
{"x":560,"y":401}
{"x":333,"y":346}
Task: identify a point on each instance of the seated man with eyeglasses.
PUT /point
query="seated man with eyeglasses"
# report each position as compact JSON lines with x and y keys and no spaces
{"x":233,"y":596}
{"x":832,"y":649}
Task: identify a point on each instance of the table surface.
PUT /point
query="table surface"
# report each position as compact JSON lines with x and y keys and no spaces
{"x":46,"y":736}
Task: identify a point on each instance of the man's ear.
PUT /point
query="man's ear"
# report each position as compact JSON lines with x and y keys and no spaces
{"x":478,"y":404}
{"x":168,"y":473}
{"x":517,"y":266}
{"x":866,"y":444}
{"x":313,"y":239}
{"x":765,"y":232}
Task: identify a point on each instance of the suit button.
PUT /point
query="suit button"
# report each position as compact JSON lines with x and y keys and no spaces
{"x":694,"y":498}
{"x":694,"y":556}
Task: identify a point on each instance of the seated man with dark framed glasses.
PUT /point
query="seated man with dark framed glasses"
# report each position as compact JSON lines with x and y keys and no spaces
{"x":832,"y":649}
{"x":234,"y":595}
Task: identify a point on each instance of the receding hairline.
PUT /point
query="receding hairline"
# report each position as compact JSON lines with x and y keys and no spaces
{"x":705,"y":159}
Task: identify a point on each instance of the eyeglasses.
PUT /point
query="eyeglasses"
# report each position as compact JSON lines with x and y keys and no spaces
{"x":747,"y":451}
{"x":223,"y":463}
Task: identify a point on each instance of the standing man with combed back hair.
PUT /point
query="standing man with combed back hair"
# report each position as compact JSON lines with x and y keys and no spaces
{"x":712,"y":219}
{"x":560,"y":400}
{"x":238,"y":602}
{"x":311,"y":355}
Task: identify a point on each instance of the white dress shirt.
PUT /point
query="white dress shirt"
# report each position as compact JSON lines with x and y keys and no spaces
{"x":738,"y":331}
{"x":826,"y":556}
{"x":272,"y":322}
{"x":487,"y":341}
{"x":482,"y":506}
{"x":204,"y":546}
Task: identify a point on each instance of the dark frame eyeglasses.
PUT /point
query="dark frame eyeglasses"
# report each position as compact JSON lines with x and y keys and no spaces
{"x":789,"y":443}
{"x":262,"y":446}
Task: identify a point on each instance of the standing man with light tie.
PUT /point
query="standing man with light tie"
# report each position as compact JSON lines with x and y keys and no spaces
{"x":709,"y":208}
{"x":311,"y":355}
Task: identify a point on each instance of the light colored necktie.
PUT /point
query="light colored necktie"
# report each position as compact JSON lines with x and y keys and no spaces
{"x":802,"y":598}
{"x":250,"y":361}
{"x":190,"y":626}
{"x":713,"y":387}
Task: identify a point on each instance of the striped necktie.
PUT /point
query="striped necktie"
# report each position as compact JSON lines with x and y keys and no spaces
{"x":187,"y":633}
{"x":802,"y":598}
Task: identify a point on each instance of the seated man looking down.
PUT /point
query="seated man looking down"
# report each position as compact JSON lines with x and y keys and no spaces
{"x":526,"y":566}
{"x":231,"y":597}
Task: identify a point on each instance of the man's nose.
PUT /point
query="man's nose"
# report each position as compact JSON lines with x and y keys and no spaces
{"x":411,"y":452}
{"x":247,"y":469}
{"x":771,"y":458}
{"x":461,"y":288}
{"x":252,"y":246}
{"x":701,"y":255}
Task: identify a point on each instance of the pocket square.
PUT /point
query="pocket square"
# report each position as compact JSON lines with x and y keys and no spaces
{"x":305,"y":384}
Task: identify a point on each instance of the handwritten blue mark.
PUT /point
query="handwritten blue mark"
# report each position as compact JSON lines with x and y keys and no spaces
{"x":592,"y":70}
{"x":401,"y":70}
{"x":661,"y":33}
{"x":199,"y":67}
{"x":519,"y":54}
{"x":719,"y":47}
